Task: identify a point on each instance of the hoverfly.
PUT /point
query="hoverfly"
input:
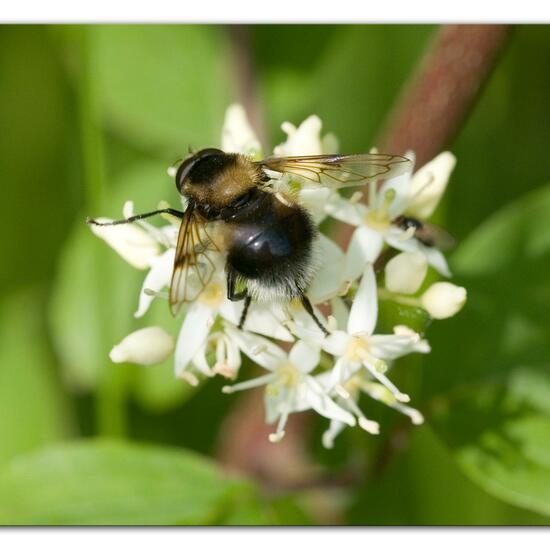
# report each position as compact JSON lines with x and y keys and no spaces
{"x":266,"y":235}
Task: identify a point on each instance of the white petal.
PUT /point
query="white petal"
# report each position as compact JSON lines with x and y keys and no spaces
{"x":315,"y":200}
{"x":159,"y":276}
{"x":400,"y":186}
{"x":133,"y":244}
{"x":392,"y":346}
{"x":364,"y":311}
{"x":158,"y":234}
{"x":193,"y":333}
{"x":336,"y":343}
{"x":263,"y":319}
{"x":237,"y":133}
{"x":305,"y":356}
{"x":419,"y":345}
{"x":434,"y":257}
{"x":364,"y":247}
{"x":342,"y":371}
{"x":147,"y":346}
{"x":233,"y":355}
{"x":261,"y":350}
{"x":346,"y":210}
{"x":330,"y":144}
{"x":231,"y":311}
{"x":342,"y":209}
{"x":429,"y":184}
{"x":340,"y":312}
{"x":303,"y":325}
{"x":327,"y":281}
{"x":325,"y":406}
{"x":304,"y":140}
{"x":443,"y":300}
{"x":200,"y":361}
{"x":405,"y":272}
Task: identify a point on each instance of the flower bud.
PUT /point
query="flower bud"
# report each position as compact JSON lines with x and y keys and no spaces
{"x":428,"y":185}
{"x":405,"y":272}
{"x":134,"y":244}
{"x":443,"y":300}
{"x":147,"y":346}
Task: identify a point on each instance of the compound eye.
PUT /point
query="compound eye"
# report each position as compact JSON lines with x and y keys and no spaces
{"x":186,"y":167}
{"x":182,"y":173}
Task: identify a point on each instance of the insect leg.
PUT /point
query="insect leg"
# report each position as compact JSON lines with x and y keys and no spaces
{"x":244,"y":313}
{"x":309,"y":308}
{"x":231,"y":281}
{"x":137,"y":217}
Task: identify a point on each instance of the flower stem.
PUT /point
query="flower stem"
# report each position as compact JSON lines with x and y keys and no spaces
{"x":110,"y":394}
{"x":244,"y":63}
{"x":385,"y":294}
{"x":439,"y":97}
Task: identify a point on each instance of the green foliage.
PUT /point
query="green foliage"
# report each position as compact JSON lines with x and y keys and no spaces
{"x":173,"y":93}
{"x":38,"y":156}
{"x":391,"y":313}
{"x":108,"y":483}
{"x":33,"y":406}
{"x":490,"y":401}
{"x":424,"y":486}
{"x":350,"y":75}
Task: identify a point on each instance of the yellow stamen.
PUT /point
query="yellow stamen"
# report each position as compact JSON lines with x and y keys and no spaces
{"x":379,"y":218}
{"x":212,"y":295}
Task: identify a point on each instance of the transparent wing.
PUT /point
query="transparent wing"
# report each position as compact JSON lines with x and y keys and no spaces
{"x":337,"y":171}
{"x":193,"y":264}
{"x":433,"y":235}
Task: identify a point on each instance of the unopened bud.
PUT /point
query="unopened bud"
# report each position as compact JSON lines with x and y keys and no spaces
{"x":147,"y":346}
{"x":405,"y":272}
{"x":428,"y":185}
{"x":443,"y":300}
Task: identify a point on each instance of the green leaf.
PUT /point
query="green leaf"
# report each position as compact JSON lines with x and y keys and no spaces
{"x":163,"y":86}
{"x":96,"y":295}
{"x":40,"y":185}
{"x":519,"y":230}
{"x":488,"y":377}
{"x":392,"y":313}
{"x":423,"y":485}
{"x":251,"y":511}
{"x":285,"y":510}
{"x":33,"y":408}
{"x":341,"y":73}
{"x":107,"y":483}
{"x":501,"y":437}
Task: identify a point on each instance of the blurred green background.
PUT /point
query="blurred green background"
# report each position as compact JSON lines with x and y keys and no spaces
{"x":91,"y":117}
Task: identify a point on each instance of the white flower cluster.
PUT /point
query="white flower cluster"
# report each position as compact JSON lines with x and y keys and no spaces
{"x":326,"y":374}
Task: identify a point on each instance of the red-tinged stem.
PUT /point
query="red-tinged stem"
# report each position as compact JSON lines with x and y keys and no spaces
{"x":245,"y":75}
{"x":439,"y":97}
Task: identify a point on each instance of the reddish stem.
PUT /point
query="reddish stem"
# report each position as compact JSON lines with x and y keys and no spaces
{"x":434,"y":105}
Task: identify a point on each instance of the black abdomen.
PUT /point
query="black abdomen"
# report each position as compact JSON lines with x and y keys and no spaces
{"x":271,"y":246}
